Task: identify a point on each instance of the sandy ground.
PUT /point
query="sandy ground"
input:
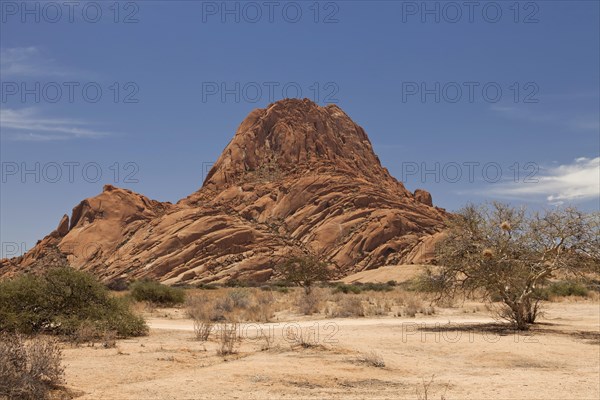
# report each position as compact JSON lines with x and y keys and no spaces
{"x":468,"y":359}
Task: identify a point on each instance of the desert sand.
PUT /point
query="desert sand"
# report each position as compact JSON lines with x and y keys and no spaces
{"x":465,"y":355}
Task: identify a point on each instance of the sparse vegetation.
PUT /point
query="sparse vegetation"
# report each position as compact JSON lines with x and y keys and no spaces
{"x":263,"y":309}
{"x":218,"y":314}
{"x":411,"y":307}
{"x":275,"y":287}
{"x":372,"y":359}
{"x":346,"y":289}
{"x":157,"y":293}
{"x":228,"y":335}
{"x":202,"y":329}
{"x":348,"y":307}
{"x":500,"y":252}
{"x":304,"y":271}
{"x":240,"y":298}
{"x":424,"y":390}
{"x":310,"y":303}
{"x":207,"y":286}
{"x":199,"y":310}
{"x":267,"y":340}
{"x":29,"y":368}
{"x":229,"y":305}
{"x":60,"y":302}
{"x":563,"y":289}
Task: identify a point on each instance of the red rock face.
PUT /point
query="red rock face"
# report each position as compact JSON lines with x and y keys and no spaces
{"x":295,"y":177}
{"x":423,"y":196}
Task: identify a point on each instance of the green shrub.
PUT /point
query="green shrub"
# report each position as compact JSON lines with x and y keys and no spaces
{"x":118,"y":285}
{"x":276,"y":286}
{"x":207,"y":286}
{"x":594,"y":285}
{"x":360,"y":287}
{"x":425,"y":283}
{"x":377,"y":287}
{"x":233,"y":283}
{"x":563,"y":289}
{"x":157,"y":293}
{"x":59,"y":301}
{"x":344,"y":288}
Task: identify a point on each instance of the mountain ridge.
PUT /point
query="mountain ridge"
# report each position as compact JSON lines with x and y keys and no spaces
{"x":296,"y":177}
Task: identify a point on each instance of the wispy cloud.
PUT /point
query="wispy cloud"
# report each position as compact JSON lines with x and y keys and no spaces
{"x":29,"y":125}
{"x":577,"y":181}
{"x":522,"y":113}
{"x":589,"y":123}
{"x":31,"y":62}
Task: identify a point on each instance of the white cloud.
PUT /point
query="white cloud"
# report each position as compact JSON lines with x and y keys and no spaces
{"x":31,"y":62}
{"x":28,"y":125}
{"x":577,"y":181}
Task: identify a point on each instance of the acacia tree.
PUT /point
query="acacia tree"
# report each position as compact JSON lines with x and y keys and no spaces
{"x":503,"y":253}
{"x":304,"y":271}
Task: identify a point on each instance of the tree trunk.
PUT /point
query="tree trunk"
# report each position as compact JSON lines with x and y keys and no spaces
{"x":524,"y":312}
{"x":520,"y":313}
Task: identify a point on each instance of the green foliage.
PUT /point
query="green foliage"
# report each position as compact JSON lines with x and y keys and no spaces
{"x":157,"y":293}
{"x":59,"y":301}
{"x":275,"y":286}
{"x":235,"y":283}
{"x":424,"y":283}
{"x":376,"y":287}
{"x":304,"y":271}
{"x":563,"y":289}
{"x":207,"y":286}
{"x":118,"y":285}
{"x":360,"y":287}
{"x":344,"y":288}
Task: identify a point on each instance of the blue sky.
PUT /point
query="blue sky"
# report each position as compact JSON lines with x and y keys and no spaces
{"x":494,"y":102}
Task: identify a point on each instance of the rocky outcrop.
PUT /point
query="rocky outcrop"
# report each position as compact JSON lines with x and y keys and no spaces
{"x":295,"y":177}
{"x":63,"y":227}
{"x":423,"y":196}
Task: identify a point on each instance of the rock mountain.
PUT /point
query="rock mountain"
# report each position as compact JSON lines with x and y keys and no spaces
{"x":296,"y":177}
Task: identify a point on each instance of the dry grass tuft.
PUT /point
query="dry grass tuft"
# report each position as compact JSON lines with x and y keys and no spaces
{"x":310,"y":303}
{"x":423,"y":390}
{"x":371,"y":358}
{"x":229,"y":337}
{"x":29,"y":369}
{"x":240,"y":304}
{"x":348,"y":306}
